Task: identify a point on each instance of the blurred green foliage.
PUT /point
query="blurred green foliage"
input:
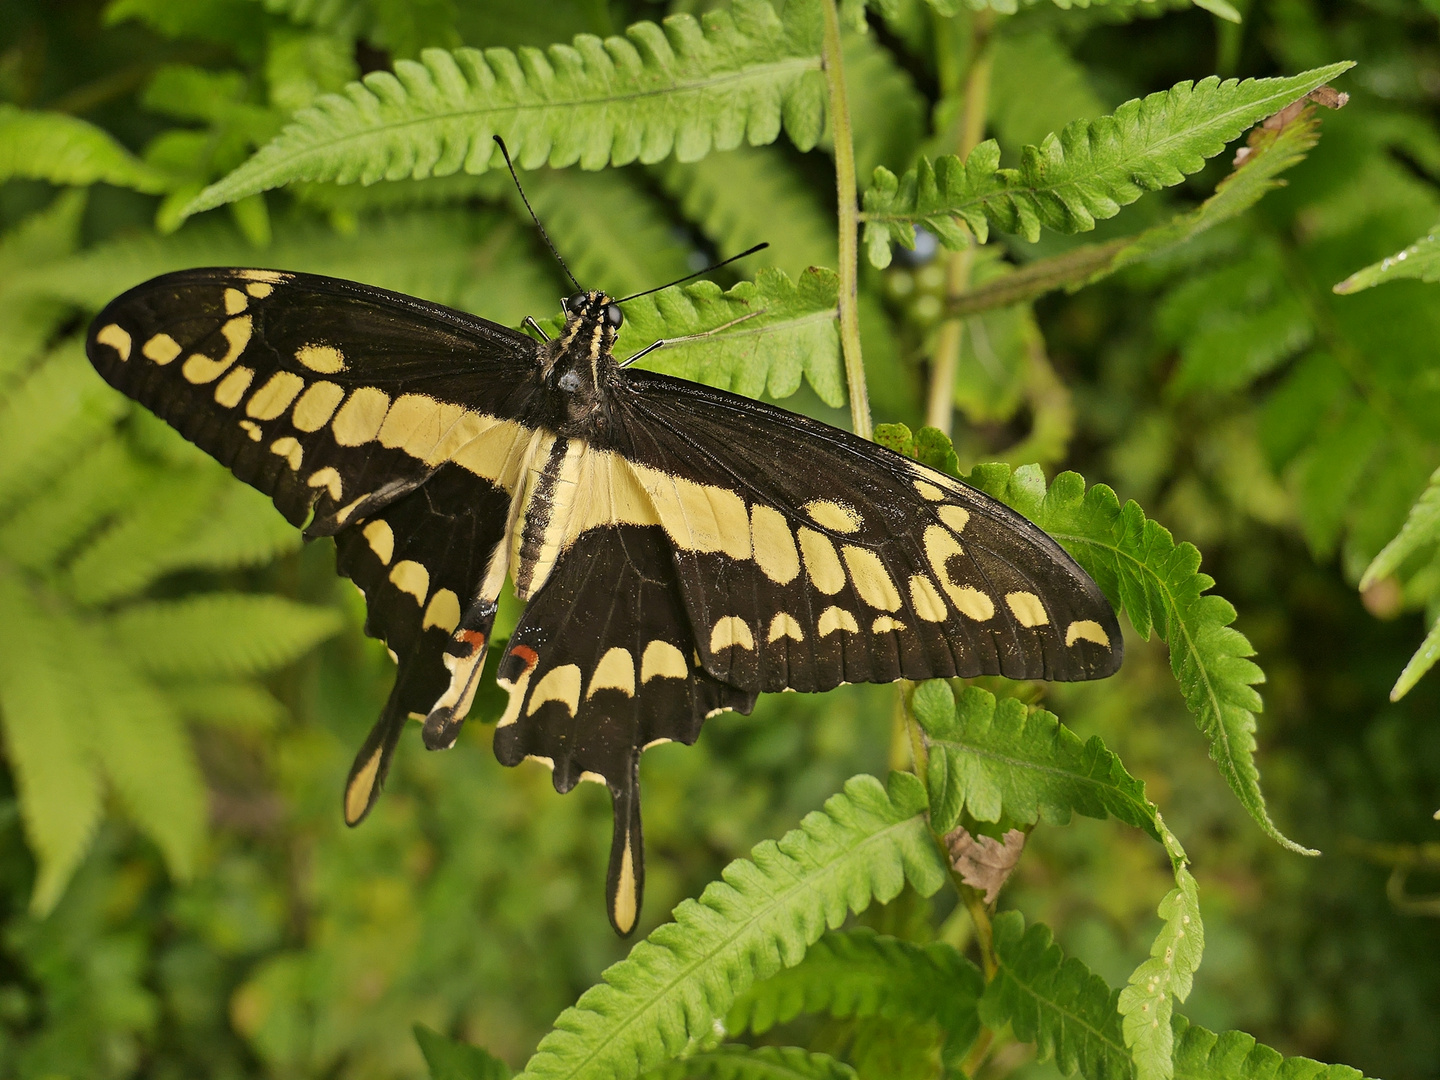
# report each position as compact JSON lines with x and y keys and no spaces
{"x":178,"y":896}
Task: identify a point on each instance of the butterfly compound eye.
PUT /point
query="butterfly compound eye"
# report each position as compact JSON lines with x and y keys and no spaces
{"x":575,"y":304}
{"x":613,"y":315}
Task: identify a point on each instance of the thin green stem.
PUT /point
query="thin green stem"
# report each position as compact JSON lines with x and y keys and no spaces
{"x":940,"y":407}
{"x":847,"y":205}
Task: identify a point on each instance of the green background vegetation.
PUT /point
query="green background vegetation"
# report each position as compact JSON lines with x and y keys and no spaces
{"x":182,"y":686}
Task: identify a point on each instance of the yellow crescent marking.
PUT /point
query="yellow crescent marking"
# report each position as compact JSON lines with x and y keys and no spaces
{"x":616,"y":671}
{"x":730,"y":632}
{"x":662,"y":661}
{"x":1087,"y":629}
{"x":784,"y":625}
{"x":410,"y":577}
{"x":837,"y":618}
{"x":117,"y":338}
{"x":381,"y":539}
{"x":443,"y":611}
{"x":290,"y":450}
{"x":560,"y":684}
{"x":328,"y":479}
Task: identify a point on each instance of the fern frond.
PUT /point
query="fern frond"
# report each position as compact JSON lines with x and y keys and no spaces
{"x":1234,"y":1055}
{"x":67,"y":150}
{"x":887,"y":113}
{"x":1423,"y":660}
{"x":1420,"y":531}
{"x":47,"y":743}
{"x":50,"y":418}
{"x":219,"y":633}
{"x":1054,"y":1001}
{"x":144,"y":750}
{"x":860,"y":973}
{"x":241,"y":529}
{"x":1420,"y":260}
{"x":761,"y":1063}
{"x":450,"y":1059}
{"x":746,"y":196}
{"x":614,"y":234}
{"x":1087,"y":172}
{"x":134,"y":549}
{"x":244,"y":706}
{"x":758,"y":338}
{"x":28,"y":321}
{"x":685,"y":88}
{"x":1148,"y":1000}
{"x":1159,"y":586}
{"x":1023,"y":62}
{"x":995,"y":758}
{"x":400,"y":28}
{"x":865,"y":844}
{"x":93,"y":488}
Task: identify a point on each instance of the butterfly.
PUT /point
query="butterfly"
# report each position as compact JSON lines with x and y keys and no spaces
{"x":680,"y":549}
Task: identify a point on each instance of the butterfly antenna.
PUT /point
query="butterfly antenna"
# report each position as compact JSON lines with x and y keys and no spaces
{"x":697,"y":273}
{"x":543,"y":234}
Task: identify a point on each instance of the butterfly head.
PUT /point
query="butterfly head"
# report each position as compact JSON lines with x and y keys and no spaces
{"x":580,"y":362}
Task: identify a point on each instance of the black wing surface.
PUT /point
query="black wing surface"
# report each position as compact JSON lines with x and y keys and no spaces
{"x":808,"y":557}
{"x":602,"y":665}
{"x":320,"y":392}
{"x":391,"y":418}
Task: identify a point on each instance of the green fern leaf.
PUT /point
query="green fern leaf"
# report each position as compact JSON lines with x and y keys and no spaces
{"x":1087,"y":172}
{"x":887,"y":113}
{"x":686,"y":88}
{"x":1159,"y":585}
{"x":859,"y":973}
{"x":761,"y":1063}
{"x":28,"y":321}
{"x":1423,"y":660}
{"x":1148,"y":1001}
{"x":219,"y":633}
{"x":995,"y":758}
{"x":50,"y":418}
{"x":450,"y":1059}
{"x":1420,"y":531}
{"x":1023,"y":62}
{"x":241,"y":529}
{"x":399,"y":28}
{"x":67,"y":150}
{"x":758,"y":338}
{"x":1420,"y":260}
{"x":1234,"y":1055}
{"x":144,"y":749}
{"x":240,"y":705}
{"x":613,"y":233}
{"x":1056,"y":1002}
{"x":47,"y":741}
{"x":92,"y":489}
{"x":747,"y":196}
{"x":864,"y":845}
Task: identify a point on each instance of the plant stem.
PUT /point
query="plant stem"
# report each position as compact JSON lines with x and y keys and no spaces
{"x":847,"y":205}
{"x":940,"y":407}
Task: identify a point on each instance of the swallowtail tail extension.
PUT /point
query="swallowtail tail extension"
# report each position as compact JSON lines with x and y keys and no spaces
{"x":681,"y":549}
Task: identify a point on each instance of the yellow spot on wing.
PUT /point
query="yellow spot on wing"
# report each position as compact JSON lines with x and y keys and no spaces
{"x":232,"y":388}
{"x":785,"y":625}
{"x":1087,"y":629}
{"x":698,"y":517}
{"x":884,"y":623}
{"x":957,"y":517}
{"x":324,"y":359}
{"x":200,"y":369}
{"x":273,"y":277}
{"x":357,"y":795}
{"x":774,"y":546}
{"x":316,"y":406}
{"x":926,"y":599}
{"x":548,"y":762}
{"x":821,"y":562}
{"x":381,"y":539}
{"x":662,"y":661}
{"x":161,"y":348}
{"x":410,"y":577}
{"x":117,"y":338}
{"x":837,"y":618}
{"x":359,"y":419}
{"x":560,"y":684}
{"x":940,"y":547}
{"x":730,"y":632}
{"x":259,"y":289}
{"x":443,"y":611}
{"x":1028,"y":609}
{"x":833,"y":515}
{"x":290,"y":450}
{"x":275,"y":396}
{"x":928,"y":490}
{"x":235,"y":301}
{"x":252,"y":429}
{"x":872,"y":581}
{"x":417,"y":424}
{"x":616,"y":671}
{"x":328,"y":479}
{"x":972,"y":602}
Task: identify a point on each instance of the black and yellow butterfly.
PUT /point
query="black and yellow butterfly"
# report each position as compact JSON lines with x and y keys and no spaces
{"x":681,"y":549}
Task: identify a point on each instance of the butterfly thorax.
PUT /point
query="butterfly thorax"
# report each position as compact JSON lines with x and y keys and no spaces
{"x":578,"y":367}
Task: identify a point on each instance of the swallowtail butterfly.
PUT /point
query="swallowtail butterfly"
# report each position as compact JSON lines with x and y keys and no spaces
{"x":682,"y":549}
